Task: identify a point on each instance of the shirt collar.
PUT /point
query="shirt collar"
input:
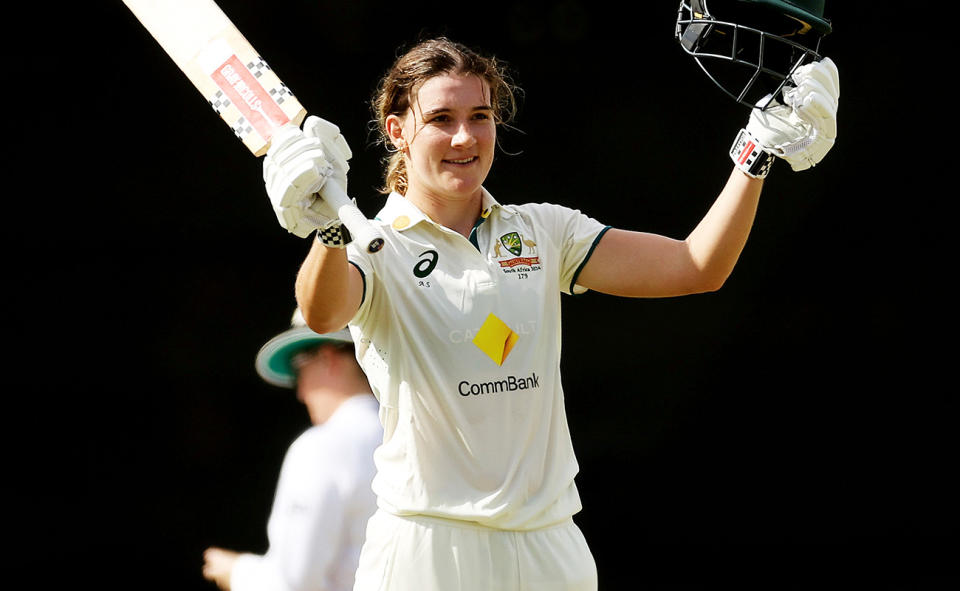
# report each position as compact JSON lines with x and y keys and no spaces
{"x":400,"y":213}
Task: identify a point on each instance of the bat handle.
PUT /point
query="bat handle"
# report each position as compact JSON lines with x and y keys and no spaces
{"x":359,"y":226}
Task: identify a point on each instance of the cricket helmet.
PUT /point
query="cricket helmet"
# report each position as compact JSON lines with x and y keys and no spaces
{"x":749,"y":48}
{"x":274,"y":361}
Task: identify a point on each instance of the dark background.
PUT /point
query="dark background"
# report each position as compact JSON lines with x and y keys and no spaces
{"x":796,"y":425}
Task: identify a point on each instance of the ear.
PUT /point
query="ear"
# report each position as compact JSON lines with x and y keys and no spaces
{"x":394,"y":126}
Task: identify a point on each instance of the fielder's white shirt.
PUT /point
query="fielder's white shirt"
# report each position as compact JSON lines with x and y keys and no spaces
{"x":321,"y":507}
{"x":460,"y":339}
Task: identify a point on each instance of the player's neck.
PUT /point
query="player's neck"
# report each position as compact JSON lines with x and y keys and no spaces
{"x":458,"y":213}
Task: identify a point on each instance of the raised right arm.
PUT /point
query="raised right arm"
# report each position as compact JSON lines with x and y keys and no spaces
{"x":328,"y":288}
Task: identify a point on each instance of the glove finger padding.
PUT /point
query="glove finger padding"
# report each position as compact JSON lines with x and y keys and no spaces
{"x":297,"y":167}
{"x":824,"y":71}
{"x":816,"y":95}
{"x":328,"y":133}
{"x":335,"y":148}
{"x":295,"y":183}
{"x":306,"y":216}
{"x":820,"y":111}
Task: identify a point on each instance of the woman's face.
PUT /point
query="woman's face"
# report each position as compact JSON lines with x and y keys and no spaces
{"x":448,"y":136}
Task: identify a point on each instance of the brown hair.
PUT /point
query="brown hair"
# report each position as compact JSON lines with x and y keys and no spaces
{"x":423,"y":61}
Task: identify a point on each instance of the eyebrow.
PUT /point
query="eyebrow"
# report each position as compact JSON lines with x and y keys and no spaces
{"x":446,"y":109}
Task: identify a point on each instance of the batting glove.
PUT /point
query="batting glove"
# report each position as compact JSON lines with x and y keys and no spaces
{"x":803,"y":128}
{"x":297,"y":166}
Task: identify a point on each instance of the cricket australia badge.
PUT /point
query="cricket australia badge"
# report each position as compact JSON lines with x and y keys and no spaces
{"x":516,"y":254}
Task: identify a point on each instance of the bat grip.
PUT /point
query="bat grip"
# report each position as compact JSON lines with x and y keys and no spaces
{"x":359,"y":226}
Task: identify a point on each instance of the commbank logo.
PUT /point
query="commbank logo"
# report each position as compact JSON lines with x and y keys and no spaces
{"x":507,"y":384}
{"x":496,"y":339}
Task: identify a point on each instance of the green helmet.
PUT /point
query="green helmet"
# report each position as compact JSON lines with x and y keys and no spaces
{"x":749,"y":48}
{"x":806,"y":11}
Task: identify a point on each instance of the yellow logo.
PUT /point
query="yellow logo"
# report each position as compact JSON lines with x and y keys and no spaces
{"x":496,"y":339}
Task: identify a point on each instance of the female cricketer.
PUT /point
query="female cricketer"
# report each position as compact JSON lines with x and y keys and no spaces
{"x":457,"y":320}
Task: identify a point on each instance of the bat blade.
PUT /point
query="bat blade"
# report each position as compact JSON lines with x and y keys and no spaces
{"x":237,"y":82}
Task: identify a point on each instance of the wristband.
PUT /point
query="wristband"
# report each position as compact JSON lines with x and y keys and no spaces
{"x":748,"y":155}
{"x":334,"y":236}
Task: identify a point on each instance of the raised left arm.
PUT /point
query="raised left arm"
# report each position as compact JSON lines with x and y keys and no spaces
{"x":800,"y":131}
{"x":640,"y":264}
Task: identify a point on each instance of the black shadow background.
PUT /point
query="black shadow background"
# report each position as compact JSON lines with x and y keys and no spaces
{"x":796,"y":425}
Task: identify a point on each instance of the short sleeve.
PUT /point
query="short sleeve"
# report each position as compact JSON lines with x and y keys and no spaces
{"x":575,"y":236}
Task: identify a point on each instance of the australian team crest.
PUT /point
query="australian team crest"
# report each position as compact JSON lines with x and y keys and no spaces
{"x":515,"y":244}
{"x":511,"y":241}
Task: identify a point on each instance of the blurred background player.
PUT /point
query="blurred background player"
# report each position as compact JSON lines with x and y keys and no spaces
{"x":323,"y":497}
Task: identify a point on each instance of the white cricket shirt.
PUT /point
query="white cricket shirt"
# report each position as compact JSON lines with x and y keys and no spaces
{"x":322,"y":504}
{"x":460,"y":339}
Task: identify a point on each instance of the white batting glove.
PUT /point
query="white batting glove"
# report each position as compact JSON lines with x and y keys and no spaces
{"x":804,"y":129}
{"x":297,"y":166}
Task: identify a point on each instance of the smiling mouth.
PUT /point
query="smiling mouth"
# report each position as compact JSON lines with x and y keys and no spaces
{"x":462,"y":160}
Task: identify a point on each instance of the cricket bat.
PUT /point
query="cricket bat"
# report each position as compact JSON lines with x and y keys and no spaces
{"x":238,"y":84}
